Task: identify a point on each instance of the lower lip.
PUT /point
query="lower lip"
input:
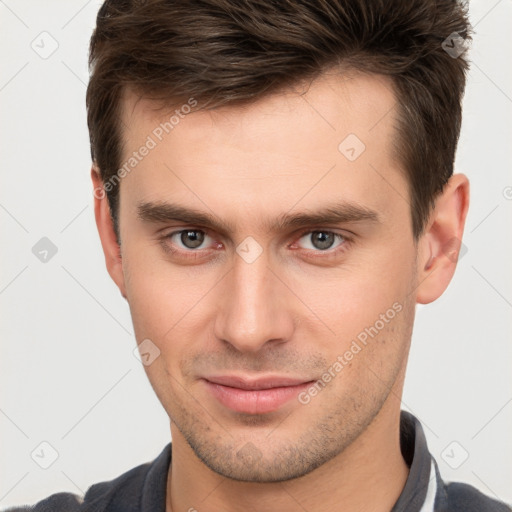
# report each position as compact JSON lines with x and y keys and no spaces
{"x":254,"y":401}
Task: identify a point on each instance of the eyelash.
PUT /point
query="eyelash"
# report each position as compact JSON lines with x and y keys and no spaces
{"x":196,"y":254}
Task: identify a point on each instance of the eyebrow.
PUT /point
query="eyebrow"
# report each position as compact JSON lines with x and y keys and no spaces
{"x":338,"y":213}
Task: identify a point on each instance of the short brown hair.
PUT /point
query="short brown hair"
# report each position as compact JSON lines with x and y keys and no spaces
{"x":229,"y":51}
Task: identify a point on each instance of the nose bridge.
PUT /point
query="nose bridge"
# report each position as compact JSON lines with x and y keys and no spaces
{"x":249,"y":312}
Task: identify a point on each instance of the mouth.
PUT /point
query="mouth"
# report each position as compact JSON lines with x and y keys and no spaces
{"x":254,"y":395}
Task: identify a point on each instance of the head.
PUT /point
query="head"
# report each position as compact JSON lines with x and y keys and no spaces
{"x":274,"y":193}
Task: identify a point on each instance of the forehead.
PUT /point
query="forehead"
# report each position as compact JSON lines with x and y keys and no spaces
{"x":332,"y":138}
{"x":335,"y":100}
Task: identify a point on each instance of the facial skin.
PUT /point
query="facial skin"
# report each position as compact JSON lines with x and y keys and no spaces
{"x":293,"y":310}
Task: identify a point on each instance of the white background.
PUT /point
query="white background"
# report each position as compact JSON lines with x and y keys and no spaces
{"x":68,"y":374}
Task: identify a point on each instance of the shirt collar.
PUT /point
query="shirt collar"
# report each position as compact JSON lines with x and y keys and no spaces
{"x":419,"y":484}
{"x":418,"y":494}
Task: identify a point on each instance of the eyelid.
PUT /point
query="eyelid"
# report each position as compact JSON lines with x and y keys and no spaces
{"x":179,"y":231}
{"x":331,"y":251}
{"x":335,"y":231}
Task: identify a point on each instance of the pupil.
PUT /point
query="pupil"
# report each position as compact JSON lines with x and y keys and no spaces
{"x":192,"y":239}
{"x":323,"y":240}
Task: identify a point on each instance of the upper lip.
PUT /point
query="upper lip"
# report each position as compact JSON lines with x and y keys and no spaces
{"x":252,"y":383}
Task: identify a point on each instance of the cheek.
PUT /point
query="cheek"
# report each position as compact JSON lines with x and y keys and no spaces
{"x":370,"y":353}
{"x":154,"y":296}
{"x":167,"y":304}
{"x":372,"y":294}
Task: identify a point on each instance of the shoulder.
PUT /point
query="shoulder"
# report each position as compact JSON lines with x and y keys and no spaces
{"x":124,"y":490}
{"x":145,"y":483}
{"x":464,"y":497}
{"x":62,"y":501}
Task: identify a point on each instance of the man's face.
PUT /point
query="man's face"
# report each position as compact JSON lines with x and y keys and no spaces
{"x":259,"y":303}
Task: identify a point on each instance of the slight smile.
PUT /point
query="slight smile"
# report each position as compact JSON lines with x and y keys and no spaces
{"x":255,"y":396}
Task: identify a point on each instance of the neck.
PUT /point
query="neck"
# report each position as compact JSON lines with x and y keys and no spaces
{"x":370,"y":474}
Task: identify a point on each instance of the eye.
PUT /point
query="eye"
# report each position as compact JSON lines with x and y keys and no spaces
{"x":188,"y":238}
{"x":197,"y":244}
{"x":322,"y":240}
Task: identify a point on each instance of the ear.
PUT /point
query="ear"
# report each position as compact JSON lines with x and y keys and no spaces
{"x":439,"y":246}
{"x":105,"y":225}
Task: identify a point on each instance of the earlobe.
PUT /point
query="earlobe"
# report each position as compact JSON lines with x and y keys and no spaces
{"x":105,"y":225}
{"x":440,"y":245}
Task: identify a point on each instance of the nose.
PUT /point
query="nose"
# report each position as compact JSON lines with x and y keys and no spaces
{"x":254,"y":307}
